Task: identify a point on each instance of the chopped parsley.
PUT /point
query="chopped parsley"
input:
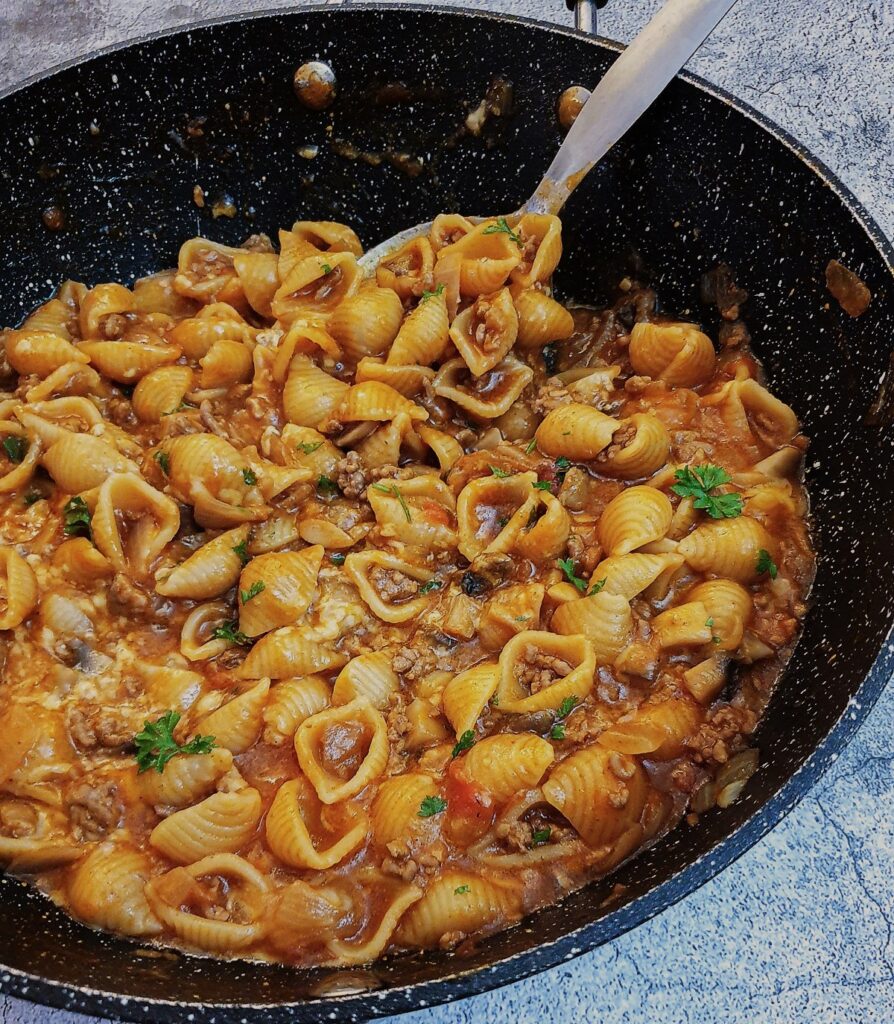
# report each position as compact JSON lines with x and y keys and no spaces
{"x":709,"y":623}
{"x":562,"y":466}
{"x":502,"y":228}
{"x":326,"y":485}
{"x":432,"y":295}
{"x":464,"y":743}
{"x":338,"y":558}
{"x":532,"y":444}
{"x":542,"y":485}
{"x":500,"y":474}
{"x":156,"y":744}
{"x":394,"y":491}
{"x":565,"y":708}
{"x":252,"y":592}
{"x":597,"y":586}
{"x":164,"y":460}
{"x":427,"y":588}
{"x":76,"y":518}
{"x":699,"y":482}
{"x":229,"y":632}
{"x":15,"y":447}
{"x":307,"y":447}
{"x":250,"y":477}
{"x":567,"y":566}
{"x":766,"y":564}
{"x":461,"y":890}
{"x":430,"y":806}
{"x":241,"y":549}
{"x":541,"y":836}
{"x":326,"y":268}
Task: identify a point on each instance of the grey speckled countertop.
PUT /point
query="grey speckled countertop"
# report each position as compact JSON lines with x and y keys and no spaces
{"x":800,"y":928}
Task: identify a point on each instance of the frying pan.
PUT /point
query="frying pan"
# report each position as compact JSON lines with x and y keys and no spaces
{"x":702,"y":178}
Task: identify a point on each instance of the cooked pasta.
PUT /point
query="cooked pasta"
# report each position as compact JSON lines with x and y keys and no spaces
{"x":345,"y":616}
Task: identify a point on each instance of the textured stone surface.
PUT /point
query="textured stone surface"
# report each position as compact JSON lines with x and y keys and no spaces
{"x":801,"y":927}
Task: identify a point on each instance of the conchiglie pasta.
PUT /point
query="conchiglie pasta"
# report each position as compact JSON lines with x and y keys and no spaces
{"x":290,"y":703}
{"x":678,"y":354}
{"x":315,"y":286}
{"x":395,"y":810}
{"x":161,"y":392}
{"x":485,"y":331}
{"x":328,"y":236}
{"x":258,"y":273}
{"x":78,"y":462}
{"x":367,"y":323}
{"x":539,"y":670}
{"x":224,"y":364}
{"x":631,"y":574}
{"x":276,"y":589}
{"x":541,"y":320}
{"x":297,"y":836}
{"x":541,"y":244}
{"x":579,"y":432}
{"x":237,"y":724}
{"x":729,"y":606}
{"x":507,"y":763}
{"x":369,"y":677}
{"x":285,"y":653}
{"x":604,"y":619}
{"x":98,"y":304}
{"x":81,"y":562}
{"x":40,"y":352}
{"x":310,"y":394}
{"x":468,"y":694}
{"x":210,"y":571}
{"x":377,"y":402}
{"x":486,"y":255}
{"x":106,"y":890}
{"x":492,"y":395}
{"x":637,"y":516}
{"x":639,"y":448}
{"x":126,"y":497}
{"x":408,"y":380}
{"x":128,"y":361}
{"x":380,"y":931}
{"x":186,"y":779}
{"x":424,"y":333}
{"x":657,"y":729}
{"x":221,"y":823}
{"x":729,"y":548}
{"x":409,"y":270}
{"x":419,"y":511}
{"x":19,"y":590}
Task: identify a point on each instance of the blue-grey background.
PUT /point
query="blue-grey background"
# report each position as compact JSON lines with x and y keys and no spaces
{"x":799,"y":929}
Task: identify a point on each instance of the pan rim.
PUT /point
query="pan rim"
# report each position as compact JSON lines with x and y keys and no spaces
{"x":469,"y":981}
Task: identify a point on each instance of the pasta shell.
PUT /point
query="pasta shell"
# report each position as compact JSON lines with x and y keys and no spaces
{"x":447,"y":450}
{"x":729,"y":605}
{"x":161,"y":392}
{"x":424,"y":334}
{"x":448,"y":228}
{"x":186,"y":779}
{"x":376,"y":402}
{"x":30,"y":351}
{"x":545,"y":539}
{"x":303,"y":915}
{"x":294,"y":820}
{"x":205,"y":272}
{"x":237,"y":724}
{"x":226,"y":363}
{"x":310,"y":394}
{"x":409,"y":270}
{"x":68,"y":379}
{"x":79,"y":462}
{"x":81,"y":562}
{"x":127,"y":361}
{"x":526,"y":651}
{"x":54,"y":316}
{"x":366,"y":568}
{"x":541,"y":320}
{"x":419,"y":511}
{"x":285,"y":653}
{"x":601,"y":792}
{"x":491,"y":395}
{"x":656,"y":728}
{"x":488,"y":255}
{"x":291,"y":701}
{"x":397,"y":898}
{"x":156,"y":294}
{"x":485,"y":331}
{"x":208,"y":572}
{"x":541,"y":237}
{"x":365,"y":324}
{"x":19,"y":591}
{"x":197,"y":640}
{"x":728,"y":547}
{"x":328,"y":236}
{"x":258,"y":274}
{"x":358,"y":721}
{"x":407,"y":380}
{"x":629,"y":575}
{"x":221,"y":823}
{"x":216,"y":322}
{"x":507,"y":763}
{"x":287,"y":582}
{"x":456,"y":902}
{"x":684,"y":625}
{"x":639,"y":448}
{"x":678,"y":354}
{"x":153,"y":516}
{"x":395,"y":810}
{"x":99,"y":303}
{"x":579,"y":432}
{"x":106,"y":889}
{"x":604,"y":619}
{"x":491,"y":512}
{"x":637,"y":516}
{"x":315,"y":286}
{"x":369,"y":677}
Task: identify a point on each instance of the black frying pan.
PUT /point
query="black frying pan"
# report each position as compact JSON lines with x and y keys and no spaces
{"x":700,"y":179}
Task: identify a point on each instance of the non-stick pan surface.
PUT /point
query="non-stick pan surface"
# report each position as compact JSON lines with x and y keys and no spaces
{"x":118,"y":143}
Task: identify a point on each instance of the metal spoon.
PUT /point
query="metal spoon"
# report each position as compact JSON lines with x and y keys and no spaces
{"x":626,"y":91}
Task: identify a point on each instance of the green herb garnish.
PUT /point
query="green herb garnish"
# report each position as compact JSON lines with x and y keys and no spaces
{"x":394,"y":491}
{"x":252,"y":592}
{"x":464,"y":743}
{"x":338,"y":558}
{"x":461,"y":890}
{"x":766,"y":564}
{"x":250,"y":477}
{"x":541,"y":836}
{"x":230,"y":632}
{"x":562,"y":466}
{"x":699,"y":481}
{"x":156,"y":744}
{"x":15,"y":447}
{"x":597,"y":586}
{"x":326,"y":268}
{"x":709,"y":623}
{"x":431,"y":806}
{"x":567,"y":566}
{"x":76,"y":518}
{"x":542,"y":485}
{"x":427,"y":588}
{"x":432,"y":295}
{"x":326,"y":485}
{"x":164,"y":460}
{"x":500,"y":474}
{"x":308,"y":448}
{"x":241,"y":549}
{"x":565,"y":708}
{"x":531,"y":445}
{"x":502,"y":228}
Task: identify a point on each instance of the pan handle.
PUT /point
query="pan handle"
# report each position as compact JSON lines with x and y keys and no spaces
{"x":585,"y":14}
{"x":626,"y":91}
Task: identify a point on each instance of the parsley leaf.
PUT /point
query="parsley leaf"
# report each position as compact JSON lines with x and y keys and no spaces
{"x":460,"y":890}
{"x":542,"y":485}
{"x":541,"y":836}
{"x":326,"y":485}
{"x":241,"y":549}
{"x":531,"y":445}
{"x":765,"y":563}
{"x":500,"y":474}
{"x":699,"y":481}
{"x":430,"y":806}
{"x":229,"y":632}
{"x":307,"y":447}
{"x":250,"y":477}
{"x":502,"y":228}
{"x":562,"y":466}
{"x":597,"y":586}
{"x":164,"y":460}
{"x":709,"y":623}
{"x":564,"y":710}
{"x":433,"y":295}
{"x":427,"y":588}
{"x":464,"y":743}
{"x":326,"y":268}
{"x":77,"y":518}
{"x":338,"y":558}
{"x":567,"y":566}
{"x":156,"y":744}
{"x":394,"y":491}
{"x":15,"y":447}
{"x":252,"y":591}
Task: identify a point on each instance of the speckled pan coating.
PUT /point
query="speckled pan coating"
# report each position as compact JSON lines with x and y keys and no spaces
{"x":700,"y":179}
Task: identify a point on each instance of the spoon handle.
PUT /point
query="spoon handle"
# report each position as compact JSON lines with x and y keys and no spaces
{"x":627,"y":89}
